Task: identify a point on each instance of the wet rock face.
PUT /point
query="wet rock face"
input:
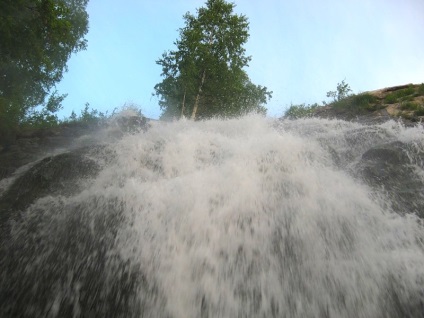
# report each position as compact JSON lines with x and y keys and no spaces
{"x":31,"y":145}
{"x":392,"y":167}
{"x":57,"y":257}
{"x":55,"y":175}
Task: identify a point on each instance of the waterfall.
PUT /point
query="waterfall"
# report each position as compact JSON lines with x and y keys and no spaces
{"x":250,"y":217}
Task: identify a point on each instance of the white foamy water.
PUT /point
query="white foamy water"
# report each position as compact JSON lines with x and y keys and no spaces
{"x":258,"y":218}
{"x":245,"y":218}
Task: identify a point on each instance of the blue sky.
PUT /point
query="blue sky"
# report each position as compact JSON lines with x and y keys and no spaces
{"x":300,"y":49}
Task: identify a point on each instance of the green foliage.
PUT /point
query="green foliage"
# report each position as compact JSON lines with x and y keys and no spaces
{"x":419,"y":111}
{"x":204,"y":76}
{"x":365,"y":101}
{"x":420,"y":89}
{"x":37,"y":39}
{"x":390,"y":99}
{"x":40,"y":119}
{"x":409,"y":106}
{"x":358,"y":102}
{"x":93,"y":116}
{"x":54,"y":102}
{"x":416,"y":108}
{"x":405,"y":92}
{"x":300,"y":110}
{"x":87,"y":116}
{"x":346,"y":103}
{"x":342,"y":92}
{"x":344,"y":99}
{"x":44,"y":118}
{"x":400,"y":95}
{"x":412,"y":115}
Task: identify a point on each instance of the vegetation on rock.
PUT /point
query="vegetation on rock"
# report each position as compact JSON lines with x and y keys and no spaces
{"x":342,"y":92}
{"x":405,"y":101}
{"x":300,"y":110}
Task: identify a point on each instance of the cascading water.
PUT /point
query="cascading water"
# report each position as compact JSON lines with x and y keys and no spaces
{"x":238,"y":218}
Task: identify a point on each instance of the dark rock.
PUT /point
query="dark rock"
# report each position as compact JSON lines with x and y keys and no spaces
{"x":81,"y":272}
{"x":52,"y":175}
{"x":33,"y":144}
{"x":388,"y":154}
{"x":391,"y":167}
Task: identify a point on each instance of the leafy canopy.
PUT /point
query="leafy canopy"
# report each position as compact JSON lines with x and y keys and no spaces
{"x":204,"y":76}
{"x":37,"y":38}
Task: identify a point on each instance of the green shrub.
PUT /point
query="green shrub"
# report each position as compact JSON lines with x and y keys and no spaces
{"x":419,"y":111}
{"x":390,"y":99}
{"x":39,"y":119}
{"x":409,"y":106}
{"x":365,"y":101}
{"x":406,"y":91}
{"x":420,"y":89}
{"x":87,"y":116}
{"x":358,"y":102}
{"x":299,"y":111}
{"x":406,"y":94}
{"x":342,"y":92}
{"x":343,"y":103}
{"x":416,"y":108}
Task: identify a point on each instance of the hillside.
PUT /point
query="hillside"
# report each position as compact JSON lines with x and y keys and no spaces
{"x":405,"y":102}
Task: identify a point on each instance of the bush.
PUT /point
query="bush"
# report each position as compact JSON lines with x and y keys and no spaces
{"x":358,"y":102}
{"x":342,"y":92}
{"x":390,"y":99}
{"x":416,"y":109}
{"x":87,"y":116}
{"x":419,"y":111}
{"x":420,"y":89}
{"x":299,"y":111}
{"x":400,"y":95}
{"x":365,"y":101}
{"x":409,"y":106}
{"x":40,"y":119}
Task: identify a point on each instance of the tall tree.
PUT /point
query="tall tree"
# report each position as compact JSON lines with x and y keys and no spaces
{"x":204,"y":76}
{"x":37,"y":38}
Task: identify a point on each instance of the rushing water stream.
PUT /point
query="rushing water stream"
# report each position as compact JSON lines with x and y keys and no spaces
{"x":238,"y":218}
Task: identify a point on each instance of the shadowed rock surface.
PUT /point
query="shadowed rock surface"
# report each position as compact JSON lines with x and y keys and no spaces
{"x":74,"y":269}
{"x":392,"y":168}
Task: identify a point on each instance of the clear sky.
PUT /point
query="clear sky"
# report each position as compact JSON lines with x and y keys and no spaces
{"x":300,"y":49}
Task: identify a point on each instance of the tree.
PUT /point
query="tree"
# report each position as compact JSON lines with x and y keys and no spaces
{"x":204,"y":76}
{"x":37,"y":38}
{"x":343,"y":91}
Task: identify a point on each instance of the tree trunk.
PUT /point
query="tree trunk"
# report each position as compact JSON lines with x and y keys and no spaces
{"x":196,"y":103}
{"x":182,"y":108}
